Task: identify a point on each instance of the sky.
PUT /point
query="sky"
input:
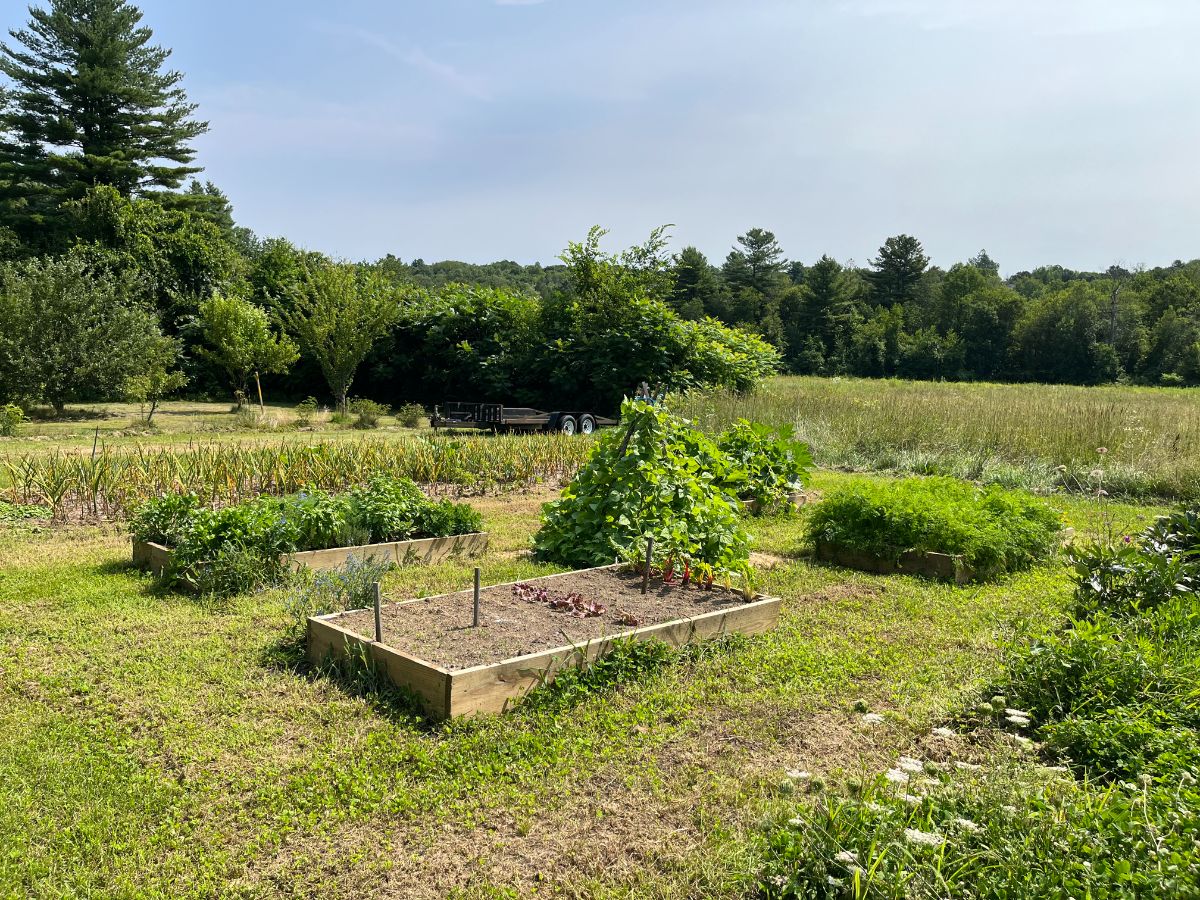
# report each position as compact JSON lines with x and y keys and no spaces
{"x":1046,"y":131}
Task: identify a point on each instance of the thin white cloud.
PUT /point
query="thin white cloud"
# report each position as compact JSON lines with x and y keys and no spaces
{"x":417,"y":58}
{"x":520,"y":2}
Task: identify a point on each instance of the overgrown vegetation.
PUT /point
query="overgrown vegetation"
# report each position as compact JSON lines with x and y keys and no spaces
{"x":235,"y":548}
{"x":770,"y":464}
{"x":1112,"y":696}
{"x":995,"y":530}
{"x":656,"y":476}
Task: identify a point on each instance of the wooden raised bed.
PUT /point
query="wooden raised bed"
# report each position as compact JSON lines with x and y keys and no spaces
{"x":942,"y":566}
{"x":445,"y":691}
{"x":426,"y":551}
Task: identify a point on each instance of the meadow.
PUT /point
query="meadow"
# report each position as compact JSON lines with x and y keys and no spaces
{"x":1040,"y":437}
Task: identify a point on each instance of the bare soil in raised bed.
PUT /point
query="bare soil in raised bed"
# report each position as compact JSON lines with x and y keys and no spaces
{"x":438,"y":629}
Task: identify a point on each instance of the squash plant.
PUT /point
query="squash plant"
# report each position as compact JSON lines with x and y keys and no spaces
{"x":769,"y":464}
{"x":655,"y":476}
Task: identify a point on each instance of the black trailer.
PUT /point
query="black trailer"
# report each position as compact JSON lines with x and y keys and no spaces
{"x":497,"y":418}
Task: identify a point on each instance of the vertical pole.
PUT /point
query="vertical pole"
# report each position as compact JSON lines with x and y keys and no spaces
{"x":378,"y":613}
{"x":649,"y":556}
{"x":475,"y":617}
{"x":95,"y":441}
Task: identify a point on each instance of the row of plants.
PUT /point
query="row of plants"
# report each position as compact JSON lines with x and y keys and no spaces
{"x":660,"y":477}
{"x":108,"y":484}
{"x":232,"y":548}
{"x":1110,"y":809}
{"x":995,"y":530}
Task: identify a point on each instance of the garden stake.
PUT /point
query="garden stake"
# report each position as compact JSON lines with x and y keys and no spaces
{"x":649,"y":556}
{"x":378,"y":614}
{"x":475,"y":622}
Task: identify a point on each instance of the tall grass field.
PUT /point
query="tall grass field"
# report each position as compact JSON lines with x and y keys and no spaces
{"x":1137,"y":442}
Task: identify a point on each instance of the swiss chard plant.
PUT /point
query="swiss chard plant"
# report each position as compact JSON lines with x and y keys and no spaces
{"x":656,"y":476}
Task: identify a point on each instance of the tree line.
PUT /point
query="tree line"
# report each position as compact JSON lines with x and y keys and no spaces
{"x":124,"y":275}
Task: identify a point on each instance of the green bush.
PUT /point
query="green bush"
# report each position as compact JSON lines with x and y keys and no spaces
{"x":995,"y":530}
{"x":305,"y":410}
{"x":214,"y":548}
{"x":657,"y":475}
{"x":11,"y":417}
{"x":367,"y":413}
{"x":770,"y":464}
{"x":410,"y":415}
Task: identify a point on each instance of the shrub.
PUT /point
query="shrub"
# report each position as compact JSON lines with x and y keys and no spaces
{"x":771,"y":465}
{"x":995,"y":530}
{"x":660,"y":476}
{"x":11,"y":417}
{"x":367,"y":413}
{"x":410,"y":415}
{"x":447,"y":518}
{"x":163,"y":521}
{"x":305,"y":410}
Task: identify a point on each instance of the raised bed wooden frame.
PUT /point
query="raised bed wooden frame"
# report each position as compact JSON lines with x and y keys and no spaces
{"x":493,"y":687}
{"x":425,"y":551}
{"x":942,"y":566}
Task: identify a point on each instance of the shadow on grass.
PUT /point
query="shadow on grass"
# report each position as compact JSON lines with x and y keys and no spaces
{"x":356,"y":676}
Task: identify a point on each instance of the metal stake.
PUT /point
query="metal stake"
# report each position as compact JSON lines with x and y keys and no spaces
{"x":475,"y":619}
{"x":649,"y":556}
{"x":378,"y":613}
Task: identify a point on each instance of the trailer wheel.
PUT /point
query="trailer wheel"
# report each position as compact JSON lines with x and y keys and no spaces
{"x":587,"y":424}
{"x":566,"y":425}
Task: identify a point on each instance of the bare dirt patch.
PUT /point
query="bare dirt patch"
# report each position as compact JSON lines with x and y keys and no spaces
{"x":439,"y":629}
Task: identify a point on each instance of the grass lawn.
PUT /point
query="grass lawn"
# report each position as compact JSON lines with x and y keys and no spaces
{"x":155,"y":746}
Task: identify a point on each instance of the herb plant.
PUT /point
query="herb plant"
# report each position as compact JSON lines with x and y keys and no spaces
{"x":995,"y":530}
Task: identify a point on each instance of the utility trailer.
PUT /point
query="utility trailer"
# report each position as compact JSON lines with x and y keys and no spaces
{"x":497,"y":418}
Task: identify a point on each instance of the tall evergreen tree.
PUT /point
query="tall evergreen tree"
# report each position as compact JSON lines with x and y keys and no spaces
{"x":898,"y":270}
{"x":89,"y":104}
{"x":697,"y":291}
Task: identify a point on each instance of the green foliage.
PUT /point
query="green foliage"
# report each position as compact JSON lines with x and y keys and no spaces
{"x":18,"y":512}
{"x":67,"y":335}
{"x":241,"y":341}
{"x":626,"y":662}
{"x":90,"y":104}
{"x":11,"y":417}
{"x":770,"y":464}
{"x":349,"y":586}
{"x":367,"y":413}
{"x":158,"y":380}
{"x":655,"y":476}
{"x":995,"y":530}
{"x":994,"y":835}
{"x":410,"y":415}
{"x":337,"y":313}
{"x":205,"y":540}
{"x":305,"y":410}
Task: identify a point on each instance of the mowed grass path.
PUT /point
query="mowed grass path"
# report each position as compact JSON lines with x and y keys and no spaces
{"x":1017,"y":435}
{"x":153,"y":746}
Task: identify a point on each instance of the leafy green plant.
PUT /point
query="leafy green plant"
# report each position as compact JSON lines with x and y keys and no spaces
{"x":410,"y":415}
{"x":996,"y":531}
{"x":11,"y":417}
{"x":656,"y":476}
{"x":771,"y":464}
{"x":349,"y":586}
{"x":367,"y":413}
{"x":17,"y":512}
{"x":164,"y":520}
{"x":305,"y":410}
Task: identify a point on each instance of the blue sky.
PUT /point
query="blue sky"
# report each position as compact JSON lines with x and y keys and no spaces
{"x":1044,"y":130}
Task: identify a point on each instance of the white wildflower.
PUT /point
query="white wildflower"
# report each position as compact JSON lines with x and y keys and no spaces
{"x":928,"y":784}
{"x":1019,"y":721}
{"x":1096,"y":474}
{"x":1187,"y":777}
{"x":834,"y":882}
{"x":966,"y":825}
{"x":847,"y":857}
{"x":779,"y":881}
{"x":796,"y":822}
{"x":798,"y":774}
{"x":896,"y":776}
{"x":908,"y":764}
{"x":966,"y":766}
{"x":912,"y":799}
{"x":1146,"y":780}
{"x":876,"y":807}
{"x":943,"y":732}
{"x":923,"y":838}
{"x":872,"y":719}
{"x":1018,"y":712}
{"x":1009,"y":810}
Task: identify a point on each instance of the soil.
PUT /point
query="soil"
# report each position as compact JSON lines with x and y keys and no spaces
{"x":438,"y":629}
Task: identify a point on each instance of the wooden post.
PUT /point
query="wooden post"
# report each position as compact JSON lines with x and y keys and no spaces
{"x":475,"y":617}
{"x":378,"y":614}
{"x":261,"y":408}
{"x":649,"y":556}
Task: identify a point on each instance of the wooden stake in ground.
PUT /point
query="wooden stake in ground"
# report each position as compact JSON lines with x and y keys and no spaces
{"x":475,"y":617}
{"x":378,"y":613}
{"x":649,"y":556}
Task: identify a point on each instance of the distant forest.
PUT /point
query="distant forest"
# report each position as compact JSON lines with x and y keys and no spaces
{"x":902,"y":316}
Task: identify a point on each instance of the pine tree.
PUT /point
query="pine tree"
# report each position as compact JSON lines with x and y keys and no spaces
{"x":89,"y":103}
{"x":898,"y":270}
